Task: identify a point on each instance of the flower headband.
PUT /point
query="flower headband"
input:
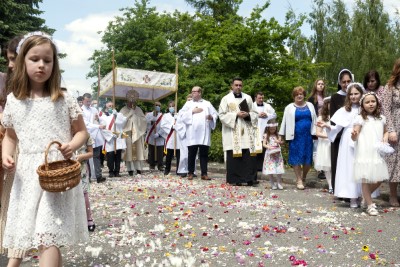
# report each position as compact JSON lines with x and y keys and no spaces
{"x":29,"y":35}
{"x":364,"y":95}
{"x":358,"y":84}
{"x":272,"y":124}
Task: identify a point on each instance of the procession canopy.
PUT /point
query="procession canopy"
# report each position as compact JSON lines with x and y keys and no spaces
{"x":150,"y":85}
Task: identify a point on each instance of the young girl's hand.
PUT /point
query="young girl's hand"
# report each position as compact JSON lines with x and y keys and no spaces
{"x":66,"y":150}
{"x":393,"y":138}
{"x":354,"y":135}
{"x":322,"y":124}
{"x":79,"y":158}
{"x":8,"y":163}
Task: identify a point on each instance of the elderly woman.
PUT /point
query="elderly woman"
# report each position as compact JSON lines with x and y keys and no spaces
{"x":391,"y":110}
{"x":298,"y":126}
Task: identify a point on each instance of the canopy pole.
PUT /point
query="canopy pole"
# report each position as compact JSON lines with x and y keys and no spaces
{"x":176,"y":104}
{"x":98,"y":87}
{"x":115,"y":116}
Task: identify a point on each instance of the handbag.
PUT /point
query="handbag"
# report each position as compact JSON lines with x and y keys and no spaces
{"x":384,"y":148}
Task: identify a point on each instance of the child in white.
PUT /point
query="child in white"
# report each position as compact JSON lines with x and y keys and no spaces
{"x":345,"y":186}
{"x":36,"y":113}
{"x":323,"y":158}
{"x":83,"y":155}
{"x":273,"y":160}
{"x":369,"y":167}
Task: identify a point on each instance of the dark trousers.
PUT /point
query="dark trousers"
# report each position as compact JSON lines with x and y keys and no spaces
{"x":334,"y":156}
{"x":102,"y":157}
{"x":168,"y":159}
{"x":152,"y":159}
{"x":192,"y":151}
{"x":241,"y":169}
{"x":114,"y":161}
{"x":96,"y":161}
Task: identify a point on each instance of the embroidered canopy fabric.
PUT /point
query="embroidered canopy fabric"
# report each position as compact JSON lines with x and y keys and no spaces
{"x":150,"y":85}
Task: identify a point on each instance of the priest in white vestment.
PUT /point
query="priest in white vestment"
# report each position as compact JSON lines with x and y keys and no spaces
{"x":135,"y":128}
{"x":240,"y":135}
{"x":200,"y":118}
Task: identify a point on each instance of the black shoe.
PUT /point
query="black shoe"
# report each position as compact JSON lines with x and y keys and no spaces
{"x":182,"y":175}
{"x":251,"y":183}
{"x":256,"y":182}
{"x":321,"y":175}
{"x":111,"y":174}
{"x":91,"y":227}
{"x":194,"y":175}
{"x":238,"y":184}
{"x":138,"y":172}
{"x":117,"y":174}
{"x":166,"y":172}
{"x":160,"y":168}
{"x":101,"y":179}
{"x":131,"y":173}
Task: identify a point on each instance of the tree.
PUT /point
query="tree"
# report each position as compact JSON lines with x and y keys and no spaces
{"x":217,"y":9}
{"x":366,"y":40}
{"x":19,"y":17}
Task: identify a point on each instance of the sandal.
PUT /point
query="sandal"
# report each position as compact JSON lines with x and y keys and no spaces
{"x":372,"y":211}
{"x":300,"y":185}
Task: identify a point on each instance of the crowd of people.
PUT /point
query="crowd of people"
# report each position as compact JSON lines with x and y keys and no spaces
{"x":351,"y":138}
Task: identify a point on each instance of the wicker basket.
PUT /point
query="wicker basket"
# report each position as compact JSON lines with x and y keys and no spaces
{"x":59,"y":176}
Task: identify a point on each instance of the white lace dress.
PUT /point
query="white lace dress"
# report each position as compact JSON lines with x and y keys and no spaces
{"x":36,"y":217}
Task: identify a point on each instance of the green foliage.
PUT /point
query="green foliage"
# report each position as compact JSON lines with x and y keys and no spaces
{"x":19,"y":17}
{"x":366,"y":40}
{"x":216,"y":152}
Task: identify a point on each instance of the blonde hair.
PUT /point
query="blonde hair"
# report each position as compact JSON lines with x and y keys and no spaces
{"x":20,"y":85}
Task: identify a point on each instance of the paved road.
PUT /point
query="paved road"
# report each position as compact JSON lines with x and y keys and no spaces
{"x":154,"y":220}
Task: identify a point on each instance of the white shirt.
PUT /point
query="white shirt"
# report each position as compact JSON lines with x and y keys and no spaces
{"x":151,"y":119}
{"x":167,"y":123}
{"x":109,"y":131}
{"x":198,"y":128}
{"x":262,"y":122}
{"x":90,"y":116}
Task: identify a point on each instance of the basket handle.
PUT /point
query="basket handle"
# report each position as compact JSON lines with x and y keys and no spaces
{"x":46,"y":164}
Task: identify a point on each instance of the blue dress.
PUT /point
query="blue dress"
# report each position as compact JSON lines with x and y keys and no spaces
{"x":301,"y":147}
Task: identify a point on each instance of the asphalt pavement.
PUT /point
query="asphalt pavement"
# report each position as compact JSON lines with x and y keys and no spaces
{"x":157,"y":220}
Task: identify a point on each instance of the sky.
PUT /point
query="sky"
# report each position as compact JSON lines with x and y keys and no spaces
{"x":78,"y":23}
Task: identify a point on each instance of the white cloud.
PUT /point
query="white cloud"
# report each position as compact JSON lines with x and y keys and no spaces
{"x":80,"y":41}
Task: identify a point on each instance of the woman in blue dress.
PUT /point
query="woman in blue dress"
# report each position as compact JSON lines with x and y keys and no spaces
{"x":298,"y":127}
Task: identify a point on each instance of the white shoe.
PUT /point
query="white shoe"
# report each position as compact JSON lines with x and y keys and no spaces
{"x":371,"y":210}
{"x":353,"y":203}
{"x":280,"y":187}
{"x":274,"y":187}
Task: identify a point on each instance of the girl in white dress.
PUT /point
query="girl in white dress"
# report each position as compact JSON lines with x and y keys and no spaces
{"x":323,"y":158}
{"x":36,"y":113}
{"x":345,"y":185}
{"x":273,"y":160}
{"x":369,"y":167}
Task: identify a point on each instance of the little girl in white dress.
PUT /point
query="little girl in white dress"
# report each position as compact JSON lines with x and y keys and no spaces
{"x":323,"y":158}
{"x":369,"y":166}
{"x":273,"y":160}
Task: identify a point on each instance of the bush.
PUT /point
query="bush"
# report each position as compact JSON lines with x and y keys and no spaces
{"x":216,"y":152}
